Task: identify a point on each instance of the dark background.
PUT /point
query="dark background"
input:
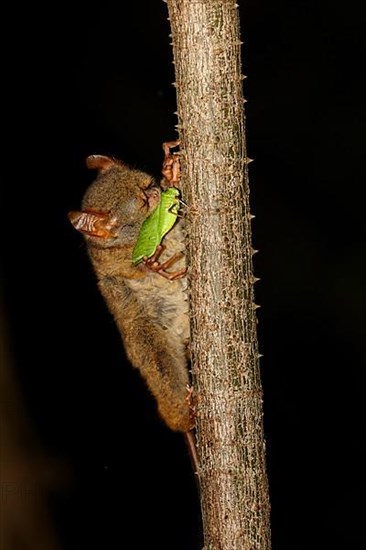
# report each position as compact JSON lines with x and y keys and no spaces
{"x":99,"y":81}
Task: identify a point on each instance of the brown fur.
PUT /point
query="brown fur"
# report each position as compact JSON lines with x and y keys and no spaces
{"x":150,"y":311}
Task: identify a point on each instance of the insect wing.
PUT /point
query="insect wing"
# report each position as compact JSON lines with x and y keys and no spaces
{"x":160,"y":221}
{"x":169,"y":208}
{"x":148,"y":238}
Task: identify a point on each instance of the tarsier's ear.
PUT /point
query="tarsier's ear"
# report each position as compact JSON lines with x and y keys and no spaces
{"x":101,"y":162}
{"x":93,"y":223}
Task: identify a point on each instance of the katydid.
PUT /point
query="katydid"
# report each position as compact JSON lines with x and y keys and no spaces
{"x":158,"y":224}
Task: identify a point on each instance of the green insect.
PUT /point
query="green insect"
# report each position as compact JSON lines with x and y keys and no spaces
{"x":160,"y":221}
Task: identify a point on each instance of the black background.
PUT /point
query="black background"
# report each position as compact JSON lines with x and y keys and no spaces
{"x":98,"y":80}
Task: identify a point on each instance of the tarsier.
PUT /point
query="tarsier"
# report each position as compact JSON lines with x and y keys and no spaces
{"x":146,"y":296}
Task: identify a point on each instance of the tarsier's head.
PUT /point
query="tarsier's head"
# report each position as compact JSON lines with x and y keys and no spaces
{"x":115,"y":204}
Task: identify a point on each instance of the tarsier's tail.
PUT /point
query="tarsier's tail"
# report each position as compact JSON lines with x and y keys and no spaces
{"x":192,"y":450}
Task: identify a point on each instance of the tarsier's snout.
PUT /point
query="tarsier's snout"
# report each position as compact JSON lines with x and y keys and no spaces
{"x":94,"y":223}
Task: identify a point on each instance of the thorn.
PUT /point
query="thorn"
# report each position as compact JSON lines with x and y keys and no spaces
{"x":245,"y":100}
{"x":259,"y":355}
{"x":251,"y":216}
{"x":254,"y":279}
{"x":174,"y":84}
{"x":254,"y":251}
{"x":243,"y":76}
{"x":256,"y":306}
{"x":248,"y":160}
{"x":175,"y":113}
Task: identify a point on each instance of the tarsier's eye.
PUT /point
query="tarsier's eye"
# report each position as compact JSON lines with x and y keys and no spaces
{"x":143,"y":200}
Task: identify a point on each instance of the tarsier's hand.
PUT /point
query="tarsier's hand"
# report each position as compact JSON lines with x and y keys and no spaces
{"x":171,"y":165}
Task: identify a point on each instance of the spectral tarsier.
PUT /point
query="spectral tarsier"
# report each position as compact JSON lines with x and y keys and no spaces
{"x":148,"y":302}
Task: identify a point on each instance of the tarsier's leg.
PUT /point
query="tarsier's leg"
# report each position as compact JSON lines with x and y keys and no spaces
{"x":154,"y":265}
{"x":171,"y":164}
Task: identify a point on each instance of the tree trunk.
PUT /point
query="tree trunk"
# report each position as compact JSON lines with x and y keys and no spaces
{"x":234,"y":489}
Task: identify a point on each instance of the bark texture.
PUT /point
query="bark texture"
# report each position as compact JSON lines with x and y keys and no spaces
{"x":211,"y":124}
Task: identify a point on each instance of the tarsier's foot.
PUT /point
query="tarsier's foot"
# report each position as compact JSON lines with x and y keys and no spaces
{"x":171,"y":164}
{"x":154,"y":265}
